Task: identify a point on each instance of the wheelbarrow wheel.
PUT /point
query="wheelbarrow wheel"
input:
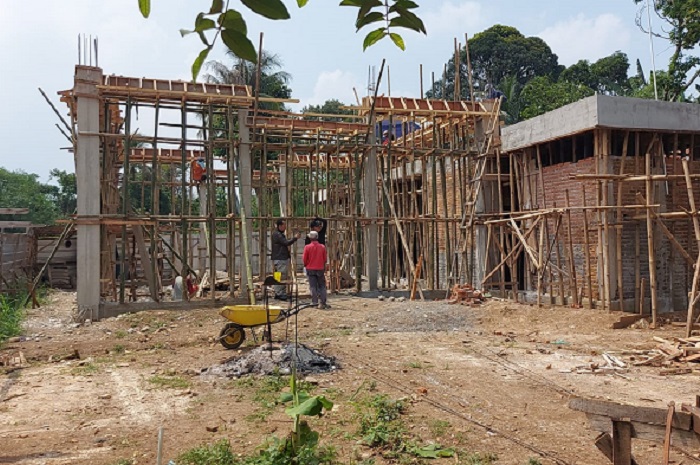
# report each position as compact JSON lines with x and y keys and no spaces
{"x":232,"y":336}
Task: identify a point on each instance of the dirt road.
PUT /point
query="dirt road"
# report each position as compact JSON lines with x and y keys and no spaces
{"x":494,"y":379}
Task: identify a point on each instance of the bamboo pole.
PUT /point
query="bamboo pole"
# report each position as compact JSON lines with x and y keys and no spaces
{"x":696,"y":227}
{"x":619,"y":226}
{"x":572,"y":265}
{"x":650,"y":243}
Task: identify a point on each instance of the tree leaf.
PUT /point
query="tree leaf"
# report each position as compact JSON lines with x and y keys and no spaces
{"x":370,"y":18}
{"x":402,"y":21}
{"x":217,"y":7}
{"x":366,"y":6}
{"x":410,"y":20}
{"x":145,"y":7}
{"x":271,"y":9}
{"x":356,"y":3}
{"x":239,"y":44}
{"x":231,"y":19}
{"x":302,"y":3}
{"x":203,"y":24}
{"x":198,"y":62}
{"x":184,"y":32}
{"x":373,"y":37}
{"x":398,"y":40}
{"x":405,"y":4}
{"x":310,"y":407}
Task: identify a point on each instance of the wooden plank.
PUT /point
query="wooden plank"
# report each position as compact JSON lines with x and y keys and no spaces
{"x":650,"y":415}
{"x":622,"y":442}
{"x":15,"y":224}
{"x":145,"y":261}
{"x":14,"y":211}
{"x":626,"y":321}
{"x":667,"y":437}
{"x":605,"y":445}
{"x":646,"y":431}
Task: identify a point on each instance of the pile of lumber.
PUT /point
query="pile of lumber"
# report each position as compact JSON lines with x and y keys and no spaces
{"x":465,"y":294}
{"x":611,"y":366}
{"x":670,"y":353}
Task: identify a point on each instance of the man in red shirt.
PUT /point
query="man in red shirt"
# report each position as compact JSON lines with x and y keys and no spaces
{"x":315,"y":257}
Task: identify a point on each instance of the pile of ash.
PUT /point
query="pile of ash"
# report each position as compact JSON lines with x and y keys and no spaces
{"x":263,"y":361}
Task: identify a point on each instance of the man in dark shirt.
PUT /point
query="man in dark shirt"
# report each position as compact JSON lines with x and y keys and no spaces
{"x":280,"y":255}
{"x":319,"y":225}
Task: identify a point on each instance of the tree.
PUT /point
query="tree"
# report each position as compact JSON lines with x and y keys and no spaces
{"x":23,"y":190}
{"x":273,"y":81}
{"x":497,"y":53}
{"x":329,"y":107}
{"x":541,"y":95}
{"x":65,"y":195}
{"x":230,"y":26}
{"x":683,"y":32}
{"x":606,"y":76}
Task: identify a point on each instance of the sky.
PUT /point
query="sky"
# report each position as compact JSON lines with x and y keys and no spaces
{"x":318,"y":47}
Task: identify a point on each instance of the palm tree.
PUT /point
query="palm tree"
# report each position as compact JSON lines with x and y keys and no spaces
{"x":273,"y":81}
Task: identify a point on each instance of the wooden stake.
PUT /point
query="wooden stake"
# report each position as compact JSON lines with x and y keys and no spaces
{"x":696,"y":227}
{"x":587,"y":256}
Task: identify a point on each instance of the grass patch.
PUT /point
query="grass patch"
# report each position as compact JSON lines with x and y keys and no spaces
{"x":87,"y":369}
{"x":169,"y":382}
{"x":12,"y":314}
{"x":121,"y":334}
{"x":119,"y":349}
{"x":478,"y":459}
{"x":219,"y":453}
{"x":439,"y":427}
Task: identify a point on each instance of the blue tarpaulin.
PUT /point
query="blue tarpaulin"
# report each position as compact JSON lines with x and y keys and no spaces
{"x":399,"y":128}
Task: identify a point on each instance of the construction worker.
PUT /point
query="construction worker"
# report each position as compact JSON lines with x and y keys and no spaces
{"x":280,"y":255}
{"x":315,"y":258}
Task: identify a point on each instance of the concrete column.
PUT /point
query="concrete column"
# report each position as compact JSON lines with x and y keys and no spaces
{"x":87,"y":169}
{"x":245,"y":181}
{"x":371,"y":211}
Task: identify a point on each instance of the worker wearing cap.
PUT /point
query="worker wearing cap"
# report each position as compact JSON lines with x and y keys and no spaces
{"x":315,"y":258}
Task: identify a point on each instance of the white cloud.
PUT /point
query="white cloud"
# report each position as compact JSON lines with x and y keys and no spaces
{"x":335,"y":84}
{"x":454,"y":19}
{"x":587,"y":38}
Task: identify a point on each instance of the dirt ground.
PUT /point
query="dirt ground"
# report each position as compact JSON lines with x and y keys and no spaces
{"x":494,"y":379}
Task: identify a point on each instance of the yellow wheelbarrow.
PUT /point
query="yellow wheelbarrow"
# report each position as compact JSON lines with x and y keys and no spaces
{"x":232,"y":335}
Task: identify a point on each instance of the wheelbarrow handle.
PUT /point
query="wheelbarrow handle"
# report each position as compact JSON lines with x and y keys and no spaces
{"x":299,"y":308}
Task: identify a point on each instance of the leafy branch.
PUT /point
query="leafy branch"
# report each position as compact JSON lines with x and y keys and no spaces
{"x":228,"y":23}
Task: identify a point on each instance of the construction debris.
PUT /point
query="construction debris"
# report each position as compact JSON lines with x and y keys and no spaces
{"x":465,"y":294}
{"x":612,"y":366}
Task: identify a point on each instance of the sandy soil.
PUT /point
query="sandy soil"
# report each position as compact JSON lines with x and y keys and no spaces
{"x":490,"y":379}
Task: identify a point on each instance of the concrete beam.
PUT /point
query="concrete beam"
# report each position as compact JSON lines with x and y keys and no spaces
{"x":602,"y":111}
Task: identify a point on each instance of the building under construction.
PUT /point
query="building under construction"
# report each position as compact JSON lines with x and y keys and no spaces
{"x":591,"y":204}
{"x":401,"y":209}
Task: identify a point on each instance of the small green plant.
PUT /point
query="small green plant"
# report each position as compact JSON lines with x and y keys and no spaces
{"x":415,"y":364}
{"x":86,"y":369}
{"x":120,"y":334}
{"x":124,"y":462}
{"x":219,"y":453}
{"x":381,"y":425}
{"x":119,"y":349}
{"x":169,"y":382}
{"x":533,"y":461}
{"x":439,"y":427}
{"x":478,"y":459}
{"x":11,"y":315}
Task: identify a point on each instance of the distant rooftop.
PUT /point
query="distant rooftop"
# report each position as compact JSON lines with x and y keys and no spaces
{"x":602,"y":111}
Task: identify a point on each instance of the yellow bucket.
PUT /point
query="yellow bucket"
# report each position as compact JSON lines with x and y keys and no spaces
{"x":250,"y":315}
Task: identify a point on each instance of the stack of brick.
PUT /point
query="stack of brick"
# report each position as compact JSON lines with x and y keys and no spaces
{"x":466,"y":295}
